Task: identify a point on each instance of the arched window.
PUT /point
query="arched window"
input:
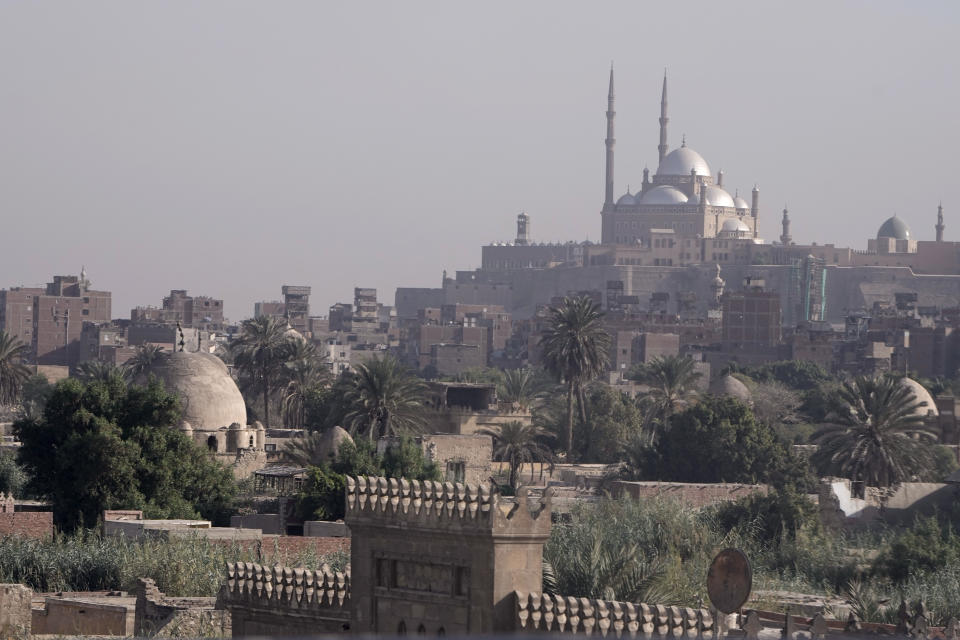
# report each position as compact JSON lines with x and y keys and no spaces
{"x":441,"y":631}
{"x":212,"y":443}
{"x":422,"y":630}
{"x":402,"y":628}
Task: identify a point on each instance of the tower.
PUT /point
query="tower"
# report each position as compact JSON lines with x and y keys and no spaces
{"x":785,"y":238}
{"x":755,"y":207}
{"x":662,"y":147}
{"x":523,"y":230}
{"x":940,"y":226}
{"x":610,"y":141}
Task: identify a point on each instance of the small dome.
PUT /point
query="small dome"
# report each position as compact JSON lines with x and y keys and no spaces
{"x":717,"y":196}
{"x":740,"y":203}
{"x":209,"y":398}
{"x":664,"y":194}
{"x":330,"y":441}
{"x":734,"y":225}
{"x":729,"y":386}
{"x":894,"y":228}
{"x":680,"y":162}
{"x":920,"y":394}
{"x":626,"y":199}
{"x":293,"y":334}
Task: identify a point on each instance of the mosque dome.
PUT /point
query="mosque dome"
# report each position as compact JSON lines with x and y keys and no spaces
{"x":680,"y":162}
{"x":920,"y":394}
{"x":626,"y":199}
{"x":717,"y":196}
{"x":894,"y":228}
{"x":729,"y":386}
{"x":664,"y":194}
{"x":209,"y":398}
{"x":734,"y":226}
{"x":740,"y":203}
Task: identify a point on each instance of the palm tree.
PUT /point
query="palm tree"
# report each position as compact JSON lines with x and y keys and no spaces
{"x":519,"y":387}
{"x":671,"y":380}
{"x":260,"y":352}
{"x":576,"y":349}
{"x":302,"y":376}
{"x":384,"y":399}
{"x":517,"y":444}
{"x":141,"y":361}
{"x":13,"y":373}
{"x":99,"y":371}
{"x":876,"y":438}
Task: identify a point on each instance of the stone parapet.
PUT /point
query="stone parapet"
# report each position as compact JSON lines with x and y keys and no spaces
{"x":445,"y":506}
{"x":283,"y":587}
{"x":278,"y":601}
{"x":558,"y":614}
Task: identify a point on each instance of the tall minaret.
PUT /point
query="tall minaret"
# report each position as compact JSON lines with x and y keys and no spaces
{"x":940,"y":226}
{"x":755,"y":208}
{"x":785,"y":238}
{"x":608,"y":194}
{"x":523,"y":230}
{"x":662,"y":147}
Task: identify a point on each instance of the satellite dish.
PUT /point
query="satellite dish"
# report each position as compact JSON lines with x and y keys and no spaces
{"x":729,"y":580}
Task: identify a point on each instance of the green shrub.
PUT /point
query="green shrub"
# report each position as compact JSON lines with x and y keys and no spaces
{"x":926,"y":546}
{"x":773,"y":518}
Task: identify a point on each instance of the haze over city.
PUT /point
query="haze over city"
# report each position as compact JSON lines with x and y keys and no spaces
{"x":230,"y":147}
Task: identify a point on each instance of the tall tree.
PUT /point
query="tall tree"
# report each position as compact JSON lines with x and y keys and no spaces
{"x":517,"y":444}
{"x":384,"y":399}
{"x":302,"y":377}
{"x":145,"y":356}
{"x":106,"y":445}
{"x":91,"y":370}
{"x":260,"y":353}
{"x":576,"y":349}
{"x":876,"y":439}
{"x":519,"y":387}
{"x":13,"y":373}
{"x":671,"y":380}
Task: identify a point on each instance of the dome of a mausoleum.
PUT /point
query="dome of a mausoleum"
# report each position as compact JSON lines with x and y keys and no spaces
{"x":680,"y":162}
{"x":740,"y":203}
{"x":920,"y":394}
{"x":627,"y":199}
{"x":209,"y":398}
{"x":664,"y":194}
{"x":894,"y":228}
{"x":729,"y":386}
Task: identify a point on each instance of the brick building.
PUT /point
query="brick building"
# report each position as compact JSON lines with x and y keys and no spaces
{"x":50,"y":320}
{"x":197,"y":312}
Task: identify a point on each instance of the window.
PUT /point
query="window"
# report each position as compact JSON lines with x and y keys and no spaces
{"x":456,"y":470}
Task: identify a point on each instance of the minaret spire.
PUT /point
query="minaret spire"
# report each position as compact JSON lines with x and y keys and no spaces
{"x":785,"y":238}
{"x":940,"y":226}
{"x":662,"y":147}
{"x":608,"y":193}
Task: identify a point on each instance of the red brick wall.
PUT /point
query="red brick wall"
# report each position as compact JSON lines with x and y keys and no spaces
{"x":28,"y":524}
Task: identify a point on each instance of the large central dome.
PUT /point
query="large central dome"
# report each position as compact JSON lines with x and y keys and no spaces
{"x":894,"y":228}
{"x":208,"y":395}
{"x":680,"y":162}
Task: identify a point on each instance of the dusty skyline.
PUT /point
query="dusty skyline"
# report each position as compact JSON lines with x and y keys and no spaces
{"x":231,"y":147}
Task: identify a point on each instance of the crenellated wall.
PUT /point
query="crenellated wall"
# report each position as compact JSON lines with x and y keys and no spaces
{"x":280,"y":601}
{"x":558,"y":614}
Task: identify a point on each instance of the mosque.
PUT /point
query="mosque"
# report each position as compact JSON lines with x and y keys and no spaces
{"x":682,"y":196}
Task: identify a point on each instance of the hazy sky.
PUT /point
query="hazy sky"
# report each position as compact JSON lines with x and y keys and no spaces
{"x":231,"y":147}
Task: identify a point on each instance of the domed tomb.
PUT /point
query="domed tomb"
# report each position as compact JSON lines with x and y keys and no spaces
{"x":627,"y":199}
{"x":894,"y":228}
{"x":680,"y":162}
{"x":209,"y":398}
{"x":920,"y":394}
{"x":729,"y":386}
